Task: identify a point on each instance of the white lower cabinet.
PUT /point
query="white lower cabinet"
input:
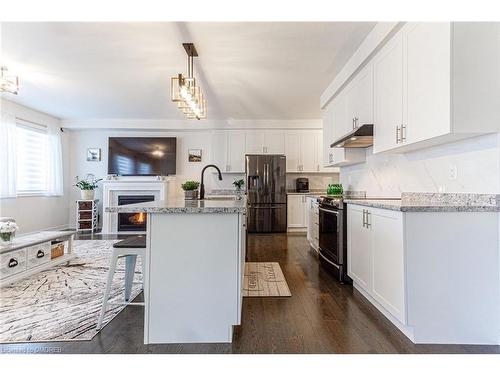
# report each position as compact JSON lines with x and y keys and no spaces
{"x":434,"y":275}
{"x":359,"y":251}
{"x":296,"y":213}
{"x":375,"y":256}
{"x":388,"y":279}
{"x":312,"y":217}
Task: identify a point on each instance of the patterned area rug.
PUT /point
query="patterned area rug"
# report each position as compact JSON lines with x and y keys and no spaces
{"x":63,"y":303}
{"x":264,"y":279}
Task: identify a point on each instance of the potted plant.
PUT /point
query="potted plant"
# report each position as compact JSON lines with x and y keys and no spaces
{"x":238,"y":184}
{"x":87,"y":187}
{"x":190,"y":189}
{"x":7,"y":231}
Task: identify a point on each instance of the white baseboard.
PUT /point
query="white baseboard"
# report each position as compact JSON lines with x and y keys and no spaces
{"x":407,"y":331}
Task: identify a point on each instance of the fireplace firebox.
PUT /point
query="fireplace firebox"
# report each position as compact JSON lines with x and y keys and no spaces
{"x":133,"y":222}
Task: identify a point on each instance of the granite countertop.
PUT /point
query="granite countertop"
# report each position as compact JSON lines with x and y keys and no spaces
{"x":182,"y":206}
{"x":313,"y":193}
{"x":435,"y":202}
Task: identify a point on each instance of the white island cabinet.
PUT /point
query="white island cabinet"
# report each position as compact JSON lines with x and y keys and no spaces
{"x":433,"y":271}
{"x":194,"y":269}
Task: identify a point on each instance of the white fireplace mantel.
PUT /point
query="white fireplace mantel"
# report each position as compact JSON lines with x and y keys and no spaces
{"x":113,"y":188}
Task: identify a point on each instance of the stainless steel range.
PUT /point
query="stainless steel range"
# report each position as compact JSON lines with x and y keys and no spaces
{"x":333,"y":236}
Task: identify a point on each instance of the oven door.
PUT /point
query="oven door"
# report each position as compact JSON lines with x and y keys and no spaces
{"x":329,"y":234}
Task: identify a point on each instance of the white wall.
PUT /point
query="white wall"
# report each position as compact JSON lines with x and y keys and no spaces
{"x":476,"y":160}
{"x":36,"y":213}
{"x":82,"y":139}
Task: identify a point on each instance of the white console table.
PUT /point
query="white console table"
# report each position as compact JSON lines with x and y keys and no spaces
{"x":30,"y":254}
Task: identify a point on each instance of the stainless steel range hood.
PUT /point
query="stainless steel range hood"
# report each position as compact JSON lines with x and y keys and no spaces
{"x":361,"y":137}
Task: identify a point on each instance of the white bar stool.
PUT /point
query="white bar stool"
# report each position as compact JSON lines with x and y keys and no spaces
{"x":129,"y":248}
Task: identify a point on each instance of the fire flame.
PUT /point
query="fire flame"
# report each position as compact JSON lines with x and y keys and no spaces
{"x":138,"y":218}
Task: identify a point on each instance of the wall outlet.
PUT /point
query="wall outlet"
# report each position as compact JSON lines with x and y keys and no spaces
{"x":452,"y":172}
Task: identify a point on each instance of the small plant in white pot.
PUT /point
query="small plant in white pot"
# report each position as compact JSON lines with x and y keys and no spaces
{"x":238,"y":184}
{"x":190,"y":189}
{"x":87,"y":187}
{"x":7,"y":232}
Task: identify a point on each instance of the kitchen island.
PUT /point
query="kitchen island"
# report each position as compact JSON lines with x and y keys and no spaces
{"x":194,"y":268}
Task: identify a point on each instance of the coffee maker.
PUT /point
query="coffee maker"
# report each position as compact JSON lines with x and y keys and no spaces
{"x":302,"y":185}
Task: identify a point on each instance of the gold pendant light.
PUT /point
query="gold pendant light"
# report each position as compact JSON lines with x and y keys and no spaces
{"x":185,"y":93}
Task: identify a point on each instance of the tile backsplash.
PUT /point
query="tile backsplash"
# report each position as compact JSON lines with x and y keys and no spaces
{"x":316,"y":180}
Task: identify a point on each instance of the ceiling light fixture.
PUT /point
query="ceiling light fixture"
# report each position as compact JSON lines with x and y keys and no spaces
{"x":8,"y":83}
{"x":185,"y":93}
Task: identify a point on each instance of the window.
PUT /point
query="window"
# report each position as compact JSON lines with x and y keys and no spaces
{"x":31,"y":159}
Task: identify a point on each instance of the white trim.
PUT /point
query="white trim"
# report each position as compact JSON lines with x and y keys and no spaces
{"x":184,"y":125}
{"x":112,"y":188}
{"x":407,"y":331}
{"x":380,"y":33}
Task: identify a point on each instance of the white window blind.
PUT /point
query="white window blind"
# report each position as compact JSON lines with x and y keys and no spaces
{"x":32,"y":161}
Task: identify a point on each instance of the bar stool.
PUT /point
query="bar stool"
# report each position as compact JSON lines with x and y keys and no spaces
{"x":129,"y":248}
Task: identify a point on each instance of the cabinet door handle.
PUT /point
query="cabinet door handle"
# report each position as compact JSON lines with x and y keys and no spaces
{"x":13,"y":262}
{"x":353,"y":126}
{"x":368,"y":224}
{"x":40,"y":254}
{"x":356,"y":122}
{"x":397,"y":134}
{"x":364,"y":213}
{"x":403,"y":133}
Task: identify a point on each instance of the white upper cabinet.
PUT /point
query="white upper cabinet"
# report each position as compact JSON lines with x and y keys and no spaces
{"x":432,"y":82}
{"x":340,"y":156}
{"x":228,"y":151}
{"x":436,"y":83}
{"x":236,"y":158}
{"x":292,"y":152}
{"x":388,"y":95}
{"x":328,"y":135}
{"x":274,"y":142}
{"x":303,"y":149}
{"x":426,"y":72}
{"x":308,"y":154}
{"x":254,"y":142}
{"x":360,"y":98}
{"x":265,"y":142}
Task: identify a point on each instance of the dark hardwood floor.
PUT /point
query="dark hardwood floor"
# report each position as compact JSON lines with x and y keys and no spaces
{"x":322,"y":316}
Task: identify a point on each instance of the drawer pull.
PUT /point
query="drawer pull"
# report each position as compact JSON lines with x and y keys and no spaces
{"x":40,"y":254}
{"x":13,"y":262}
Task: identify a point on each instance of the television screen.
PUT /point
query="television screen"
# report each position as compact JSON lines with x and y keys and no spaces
{"x":135,"y":156}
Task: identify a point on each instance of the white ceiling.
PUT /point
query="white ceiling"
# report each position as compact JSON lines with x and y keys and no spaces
{"x":122,"y":70}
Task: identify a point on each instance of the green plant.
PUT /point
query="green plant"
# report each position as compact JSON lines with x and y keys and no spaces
{"x":87,"y":184}
{"x":190,"y":185}
{"x":239,"y":184}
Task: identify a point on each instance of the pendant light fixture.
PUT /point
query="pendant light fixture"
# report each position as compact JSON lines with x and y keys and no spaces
{"x":185,"y":92}
{"x":8,"y":83}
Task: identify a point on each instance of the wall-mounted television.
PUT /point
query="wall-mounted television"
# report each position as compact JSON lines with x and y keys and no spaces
{"x":142,"y":156}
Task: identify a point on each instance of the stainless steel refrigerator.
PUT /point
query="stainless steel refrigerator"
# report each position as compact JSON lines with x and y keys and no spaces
{"x":266,"y":193}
